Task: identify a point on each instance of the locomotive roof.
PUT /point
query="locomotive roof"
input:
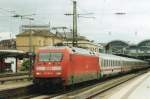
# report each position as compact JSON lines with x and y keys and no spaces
{"x":72,"y":49}
{"x":82,"y":51}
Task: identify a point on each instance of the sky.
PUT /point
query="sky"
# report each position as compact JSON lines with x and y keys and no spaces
{"x":132,"y":27}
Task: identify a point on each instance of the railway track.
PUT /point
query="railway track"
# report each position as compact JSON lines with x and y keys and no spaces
{"x":13,"y":77}
{"x":13,"y":74}
{"x":96,"y":89}
{"x":82,"y":91}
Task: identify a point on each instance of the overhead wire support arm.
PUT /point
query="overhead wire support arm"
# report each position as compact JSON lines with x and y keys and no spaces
{"x":74,"y":41}
{"x":75,"y":17}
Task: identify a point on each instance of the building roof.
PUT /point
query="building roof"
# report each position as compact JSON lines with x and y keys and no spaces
{"x":43,"y":33}
{"x":34,"y":27}
{"x":69,"y":36}
{"x":7,"y":40}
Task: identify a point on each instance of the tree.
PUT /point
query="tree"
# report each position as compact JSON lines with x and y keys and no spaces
{"x":25,"y":65}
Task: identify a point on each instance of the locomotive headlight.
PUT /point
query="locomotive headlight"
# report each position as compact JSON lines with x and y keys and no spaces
{"x":56,"y":68}
{"x":53,"y":68}
{"x":40,"y":68}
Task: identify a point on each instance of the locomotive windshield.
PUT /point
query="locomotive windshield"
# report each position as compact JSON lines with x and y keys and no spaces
{"x":52,"y":57}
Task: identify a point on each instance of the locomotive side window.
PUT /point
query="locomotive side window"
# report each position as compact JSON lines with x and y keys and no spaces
{"x":52,"y":57}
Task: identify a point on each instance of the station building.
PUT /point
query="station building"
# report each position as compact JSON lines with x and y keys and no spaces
{"x":140,"y":50}
{"x":116,"y":46}
{"x":8,"y":44}
{"x":83,"y":42}
{"x":41,"y":36}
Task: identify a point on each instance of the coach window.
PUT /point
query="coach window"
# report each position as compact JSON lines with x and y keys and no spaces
{"x":110,"y":62}
{"x":113,"y":62}
{"x":120,"y":63}
{"x":102,"y":63}
{"x":116,"y":63}
{"x":123,"y":63}
{"x":107,"y":63}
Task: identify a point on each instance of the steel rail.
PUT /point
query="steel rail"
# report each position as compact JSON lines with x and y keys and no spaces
{"x":14,"y":78}
{"x":12,"y":74}
{"x":94,"y":90}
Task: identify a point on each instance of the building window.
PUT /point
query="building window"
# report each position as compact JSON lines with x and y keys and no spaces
{"x":39,"y":42}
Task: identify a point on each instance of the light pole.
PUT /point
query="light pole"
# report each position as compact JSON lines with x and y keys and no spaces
{"x":75,"y":21}
{"x":30,"y":31}
{"x":30,"y":40}
{"x":74,"y":41}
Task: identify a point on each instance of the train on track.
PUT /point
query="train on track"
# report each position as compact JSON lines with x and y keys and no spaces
{"x":69,"y":65}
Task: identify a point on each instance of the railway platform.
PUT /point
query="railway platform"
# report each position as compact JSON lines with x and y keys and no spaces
{"x":137,"y":88}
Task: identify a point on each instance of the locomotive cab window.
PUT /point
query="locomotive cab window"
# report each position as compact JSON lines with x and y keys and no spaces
{"x":52,"y":57}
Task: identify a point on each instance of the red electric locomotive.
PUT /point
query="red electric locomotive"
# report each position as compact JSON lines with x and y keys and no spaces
{"x":65,"y":65}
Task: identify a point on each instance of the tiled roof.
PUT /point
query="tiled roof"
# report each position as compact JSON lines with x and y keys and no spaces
{"x":38,"y":33}
{"x":69,"y":36}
